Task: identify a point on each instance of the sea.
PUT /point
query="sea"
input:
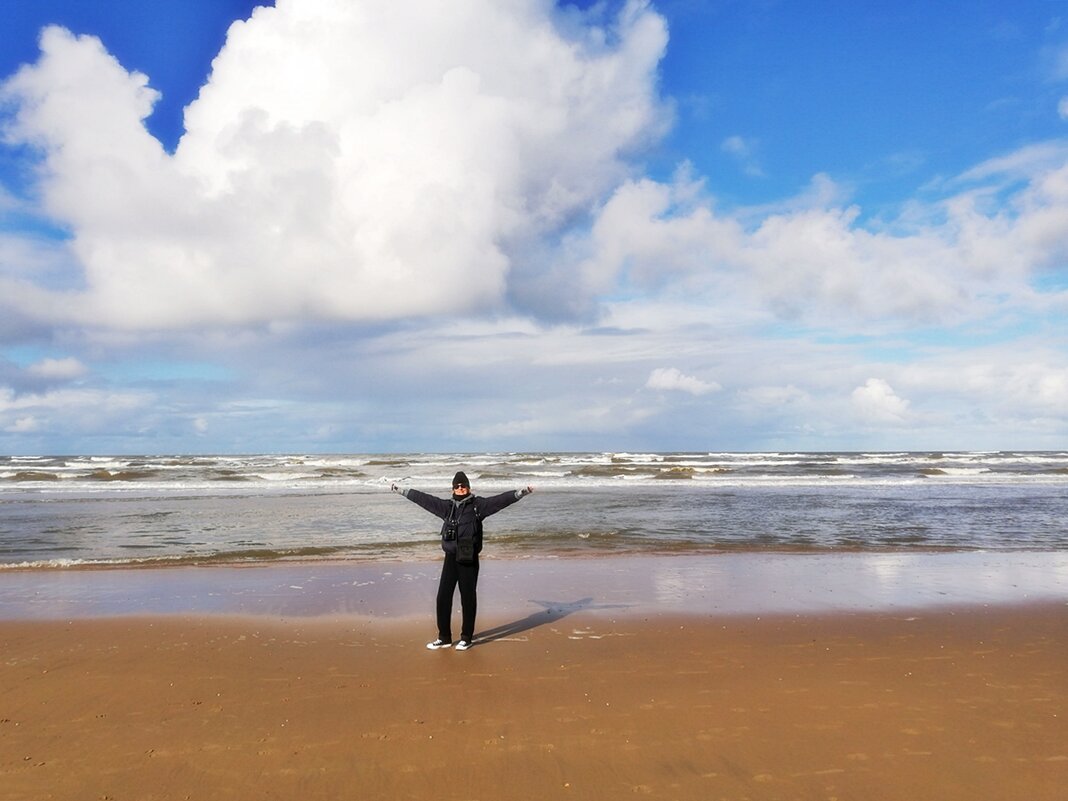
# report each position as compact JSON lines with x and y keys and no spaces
{"x":69,"y":512}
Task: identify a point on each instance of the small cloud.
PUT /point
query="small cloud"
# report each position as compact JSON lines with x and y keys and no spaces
{"x":1062,"y":108}
{"x":735,"y":146}
{"x":58,"y":369}
{"x":744,"y":151}
{"x":668,"y":379}
{"x":23,"y":425}
{"x":876,"y":402}
{"x":1057,"y":63}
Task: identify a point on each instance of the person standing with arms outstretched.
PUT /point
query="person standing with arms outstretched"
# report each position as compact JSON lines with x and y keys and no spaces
{"x":461,"y":540}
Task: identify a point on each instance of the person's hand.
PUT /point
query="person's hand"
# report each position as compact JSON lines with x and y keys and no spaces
{"x":526,"y":491}
{"x":394,"y":488}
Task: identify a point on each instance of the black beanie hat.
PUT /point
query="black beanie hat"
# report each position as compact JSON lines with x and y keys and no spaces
{"x":460,"y":480}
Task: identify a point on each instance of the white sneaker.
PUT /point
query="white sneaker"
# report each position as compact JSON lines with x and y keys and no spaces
{"x":433,"y":646}
{"x":463,"y":645}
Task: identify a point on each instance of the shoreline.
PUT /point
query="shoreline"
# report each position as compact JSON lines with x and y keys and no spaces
{"x":879,"y":705}
{"x":719,"y":584}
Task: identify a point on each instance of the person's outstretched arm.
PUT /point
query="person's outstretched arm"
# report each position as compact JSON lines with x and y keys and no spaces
{"x":493,"y":504}
{"x":436,"y":506}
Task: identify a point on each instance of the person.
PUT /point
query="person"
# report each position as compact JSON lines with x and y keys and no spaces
{"x":461,"y":540}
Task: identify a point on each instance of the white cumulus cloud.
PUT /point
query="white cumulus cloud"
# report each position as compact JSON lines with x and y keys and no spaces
{"x":346,"y":160}
{"x":876,"y":402}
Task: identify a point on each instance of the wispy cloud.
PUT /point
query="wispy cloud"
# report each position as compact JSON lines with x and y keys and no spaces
{"x":744,"y":151}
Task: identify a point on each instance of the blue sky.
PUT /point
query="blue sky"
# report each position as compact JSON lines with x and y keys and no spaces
{"x":371,"y":226}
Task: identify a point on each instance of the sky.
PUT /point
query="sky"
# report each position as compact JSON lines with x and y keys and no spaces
{"x":403,"y":225}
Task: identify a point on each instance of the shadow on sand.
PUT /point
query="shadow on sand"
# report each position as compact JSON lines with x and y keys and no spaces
{"x":551,"y":612}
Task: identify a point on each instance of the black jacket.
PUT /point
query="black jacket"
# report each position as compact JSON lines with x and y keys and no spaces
{"x":462,"y":521}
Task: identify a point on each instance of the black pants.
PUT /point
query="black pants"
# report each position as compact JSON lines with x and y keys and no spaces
{"x":453,"y":573}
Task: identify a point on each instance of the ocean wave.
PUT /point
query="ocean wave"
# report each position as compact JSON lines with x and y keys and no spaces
{"x":228,"y":475}
{"x":558,"y":543}
{"x":237,"y":556}
{"x":613,"y":470}
{"x":676,"y":473}
{"x":31,"y":476}
{"x":123,"y":475}
{"x":161,"y":475}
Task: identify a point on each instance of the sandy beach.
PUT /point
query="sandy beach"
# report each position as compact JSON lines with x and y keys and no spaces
{"x":569,"y":702}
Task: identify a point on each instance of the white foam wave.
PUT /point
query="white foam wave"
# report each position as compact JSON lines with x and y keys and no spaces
{"x":223,"y":475}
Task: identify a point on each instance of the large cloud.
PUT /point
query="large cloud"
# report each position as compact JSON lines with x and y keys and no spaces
{"x":346,"y":160}
{"x":962,"y":258}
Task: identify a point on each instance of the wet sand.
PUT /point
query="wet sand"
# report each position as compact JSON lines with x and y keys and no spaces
{"x":565,"y":702}
{"x":748,"y":583}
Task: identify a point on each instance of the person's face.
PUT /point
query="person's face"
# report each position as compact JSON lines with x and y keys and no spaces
{"x":461,"y":491}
